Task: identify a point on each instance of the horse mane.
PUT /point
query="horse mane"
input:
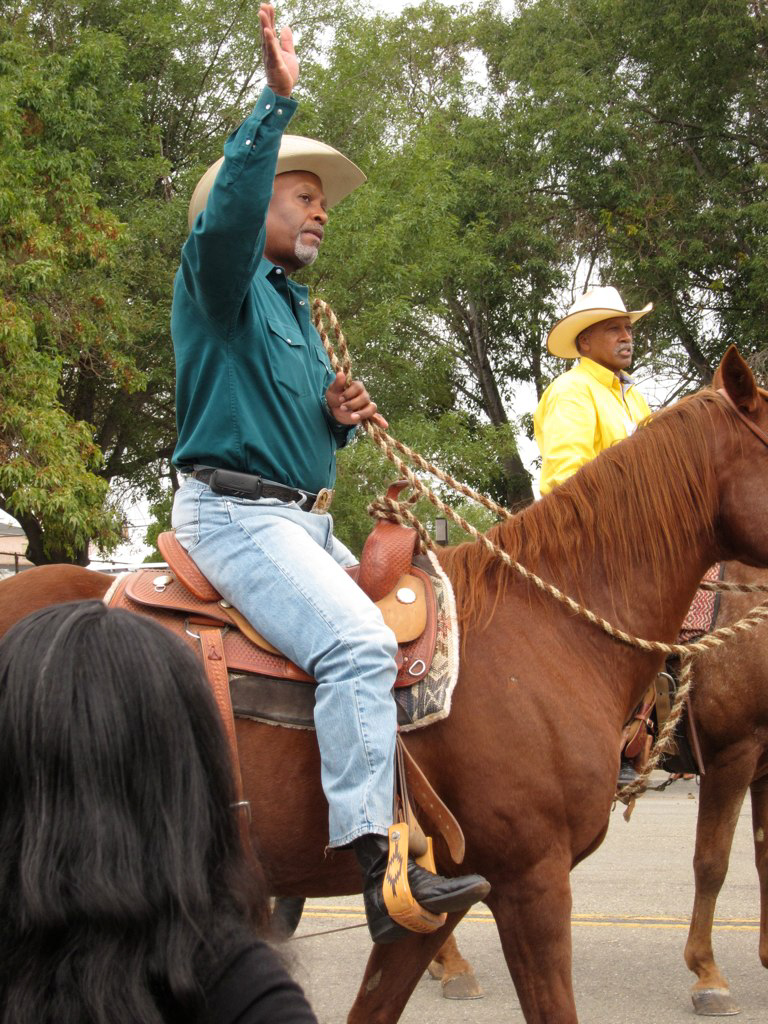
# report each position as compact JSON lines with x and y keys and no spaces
{"x":647,"y":499}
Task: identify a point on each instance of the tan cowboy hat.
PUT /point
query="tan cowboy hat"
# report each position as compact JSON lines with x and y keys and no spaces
{"x":590,"y":308}
{"x":338,"y":175}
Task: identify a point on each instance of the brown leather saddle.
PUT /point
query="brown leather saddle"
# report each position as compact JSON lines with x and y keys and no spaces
{"x":183,"y":600}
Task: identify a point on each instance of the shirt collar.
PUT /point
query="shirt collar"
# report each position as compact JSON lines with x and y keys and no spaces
{"x":275,"y":274}
{"x":267,"y":268}
{"x":604,"y":375}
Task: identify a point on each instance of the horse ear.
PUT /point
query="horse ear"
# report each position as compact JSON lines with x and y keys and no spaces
{"x":735,"y":377}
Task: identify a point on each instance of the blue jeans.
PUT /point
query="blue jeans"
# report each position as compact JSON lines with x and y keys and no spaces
{"x":282,"y":568}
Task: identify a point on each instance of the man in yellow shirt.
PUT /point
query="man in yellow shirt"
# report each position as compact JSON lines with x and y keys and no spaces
{"x":596,"y":403}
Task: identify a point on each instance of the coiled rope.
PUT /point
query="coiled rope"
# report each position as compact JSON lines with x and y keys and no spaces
{"x":401,"y":512}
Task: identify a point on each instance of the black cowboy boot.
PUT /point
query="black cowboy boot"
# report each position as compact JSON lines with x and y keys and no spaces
{"x":434,"y":893}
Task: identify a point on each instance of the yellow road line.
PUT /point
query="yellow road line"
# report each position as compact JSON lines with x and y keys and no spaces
{"x":350,"y":913}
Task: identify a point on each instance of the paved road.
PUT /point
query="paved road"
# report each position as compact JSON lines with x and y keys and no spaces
{"x":632,"y":900}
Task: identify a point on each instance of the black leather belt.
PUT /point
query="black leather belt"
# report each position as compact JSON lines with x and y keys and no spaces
{"x":249,"y":485}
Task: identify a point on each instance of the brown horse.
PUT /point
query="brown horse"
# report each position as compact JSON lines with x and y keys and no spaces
{"x":528,"y":758}
{"x":729,"y":698}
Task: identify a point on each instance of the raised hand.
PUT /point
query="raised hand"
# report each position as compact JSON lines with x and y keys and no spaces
{"x":280,"y":62}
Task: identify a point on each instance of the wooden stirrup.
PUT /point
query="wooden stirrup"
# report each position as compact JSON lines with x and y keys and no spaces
{"x":399,"y":900}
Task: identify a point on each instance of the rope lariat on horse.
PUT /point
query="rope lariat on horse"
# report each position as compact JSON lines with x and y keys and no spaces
{"x":401,"y":512}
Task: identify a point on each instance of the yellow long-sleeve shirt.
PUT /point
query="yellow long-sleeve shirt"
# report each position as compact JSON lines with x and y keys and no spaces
{"x":581,"y":413}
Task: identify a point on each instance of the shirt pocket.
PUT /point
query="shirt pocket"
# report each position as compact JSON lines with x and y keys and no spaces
{"x":323,"y":370}
{"x":288,"y":352}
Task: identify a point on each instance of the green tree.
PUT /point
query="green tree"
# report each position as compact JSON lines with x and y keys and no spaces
{"x":59,"y":309}
{"x":443,"y":268}
{"x":509,"y":158}
{"x":652,"y":123}
{"x":111,"y":111}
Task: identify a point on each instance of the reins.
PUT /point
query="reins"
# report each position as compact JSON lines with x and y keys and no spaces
{"x":329,"y":931}
{"x":401,"y":512}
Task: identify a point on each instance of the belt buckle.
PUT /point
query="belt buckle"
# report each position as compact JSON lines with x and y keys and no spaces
{"x":322,"y":501}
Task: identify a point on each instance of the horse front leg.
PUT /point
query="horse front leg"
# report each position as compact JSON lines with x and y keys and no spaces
{"x":721,"y":796}
{"x":759,"y":791}
{"x":392,"y":973}
{"x":533,"y":916}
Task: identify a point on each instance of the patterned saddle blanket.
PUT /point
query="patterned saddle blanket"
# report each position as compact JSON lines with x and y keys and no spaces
{"x":702,"y":615}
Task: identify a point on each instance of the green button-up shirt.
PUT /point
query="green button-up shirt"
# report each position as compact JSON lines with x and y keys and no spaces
{"x":251,"y":371}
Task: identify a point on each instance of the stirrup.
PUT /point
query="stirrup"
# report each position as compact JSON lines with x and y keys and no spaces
{"x":398,"y":898}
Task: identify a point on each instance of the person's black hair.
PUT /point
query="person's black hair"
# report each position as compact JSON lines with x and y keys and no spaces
{"x":122,"y":878}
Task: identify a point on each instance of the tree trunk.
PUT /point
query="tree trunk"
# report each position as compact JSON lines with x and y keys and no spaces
{"x":517,"y":480}
{"x":36,"y":552}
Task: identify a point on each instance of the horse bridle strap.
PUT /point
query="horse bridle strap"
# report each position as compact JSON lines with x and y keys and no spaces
{"x":757,"y":431}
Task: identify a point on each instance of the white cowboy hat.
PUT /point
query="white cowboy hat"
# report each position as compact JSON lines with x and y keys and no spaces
{"x":590,"y":308}
{"x":338,"y":175}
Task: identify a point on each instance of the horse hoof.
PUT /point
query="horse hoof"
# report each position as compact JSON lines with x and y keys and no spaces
{"x":435,"y":970}
{"x":463,"y":986}
{"x":714,"y":1002}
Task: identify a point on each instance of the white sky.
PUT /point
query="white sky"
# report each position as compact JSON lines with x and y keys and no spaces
{"x":395,"y":6}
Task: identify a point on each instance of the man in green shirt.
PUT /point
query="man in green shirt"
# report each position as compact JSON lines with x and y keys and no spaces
{"x":260,"y":416}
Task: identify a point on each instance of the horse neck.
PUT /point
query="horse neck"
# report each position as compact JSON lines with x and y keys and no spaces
{"x":631,"y":534}
{"x":648,"y":601}
{"x":651,"y":597}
